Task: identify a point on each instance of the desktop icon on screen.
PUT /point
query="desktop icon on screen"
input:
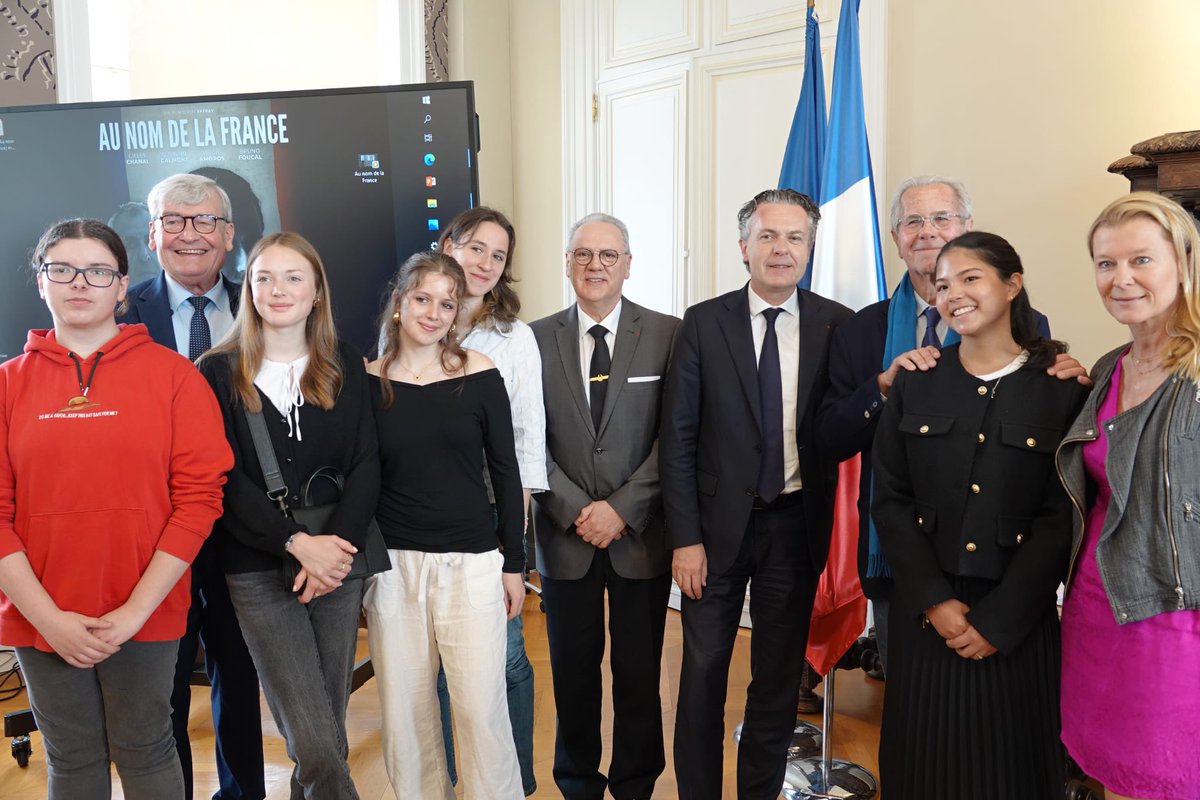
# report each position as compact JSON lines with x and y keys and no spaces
{"x":431,"y":202}
{"x":429,"y":137}
{"x":429,"y":159}
{"x":434,"y":224}
{"x":368,"y":161}
{"x":425,"y":99}
{"x":430,"y":181}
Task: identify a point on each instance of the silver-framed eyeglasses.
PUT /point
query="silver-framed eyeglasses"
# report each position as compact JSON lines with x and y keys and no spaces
{"x":940,"y":221}
{"x":95,"y":275}
{"x":608,"y":258}
{"x":201,"y":223}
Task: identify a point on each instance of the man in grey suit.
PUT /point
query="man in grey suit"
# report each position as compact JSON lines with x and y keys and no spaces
{"x":600,"y":525}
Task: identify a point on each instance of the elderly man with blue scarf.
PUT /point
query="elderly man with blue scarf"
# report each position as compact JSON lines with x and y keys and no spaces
{"x":902,"y":332}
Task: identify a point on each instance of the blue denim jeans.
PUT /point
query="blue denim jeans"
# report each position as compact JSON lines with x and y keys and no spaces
{"x":518,"y":674}
{"x":118,"y":711}
{"x":305,"y":659}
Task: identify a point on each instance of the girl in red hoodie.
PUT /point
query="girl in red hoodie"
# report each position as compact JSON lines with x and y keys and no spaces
{"x":112,"y":460}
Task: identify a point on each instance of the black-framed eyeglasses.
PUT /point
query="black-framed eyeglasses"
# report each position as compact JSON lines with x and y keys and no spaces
{"x":608,"y":258}
{"x":95,"y":275}
{"x":201,"y":223}
{"x":940,"y":221}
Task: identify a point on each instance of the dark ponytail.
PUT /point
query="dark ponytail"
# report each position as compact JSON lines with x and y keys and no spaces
{"x":996,"y":252}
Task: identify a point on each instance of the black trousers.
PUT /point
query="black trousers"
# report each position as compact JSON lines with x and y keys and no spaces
{"x":575,"y":629}
{"x":237,"y":720}
{"x":774,"y":559}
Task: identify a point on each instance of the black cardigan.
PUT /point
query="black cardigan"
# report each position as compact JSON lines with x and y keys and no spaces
{"x":252,"y":532}
{"x":965,"y":485}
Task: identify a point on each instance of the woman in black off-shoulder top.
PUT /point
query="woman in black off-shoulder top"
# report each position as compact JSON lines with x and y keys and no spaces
{"x":458,"y":572}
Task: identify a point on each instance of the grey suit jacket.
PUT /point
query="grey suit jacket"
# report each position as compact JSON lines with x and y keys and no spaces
{"x":618,"y":463}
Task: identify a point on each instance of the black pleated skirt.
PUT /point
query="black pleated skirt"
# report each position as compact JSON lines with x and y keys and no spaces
{"x":959,"y":729}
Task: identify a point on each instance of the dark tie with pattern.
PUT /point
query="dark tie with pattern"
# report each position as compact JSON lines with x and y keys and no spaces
{"x":199,"y":337}
{"x":931,"y":322}
{"x":770,"y":398}
{"x":598,"y":373}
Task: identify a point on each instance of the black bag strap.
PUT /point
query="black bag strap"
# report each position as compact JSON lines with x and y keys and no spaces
{"x":276,"y":489}
{"x":331,"y":474}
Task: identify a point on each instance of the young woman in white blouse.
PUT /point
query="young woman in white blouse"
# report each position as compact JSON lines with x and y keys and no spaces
{"x":296,"y":606}
{"x":483,"y":242}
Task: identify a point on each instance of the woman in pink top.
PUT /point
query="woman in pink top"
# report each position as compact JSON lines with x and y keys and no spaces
{"x":1131,"y":463}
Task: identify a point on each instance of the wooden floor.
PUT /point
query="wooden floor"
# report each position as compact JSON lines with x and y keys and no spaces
{"x":856,"y":729}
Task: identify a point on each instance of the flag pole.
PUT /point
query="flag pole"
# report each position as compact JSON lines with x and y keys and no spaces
{"x":826,"y":777}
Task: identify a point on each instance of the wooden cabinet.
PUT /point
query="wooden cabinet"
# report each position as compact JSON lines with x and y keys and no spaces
{"x":1167,"y":164}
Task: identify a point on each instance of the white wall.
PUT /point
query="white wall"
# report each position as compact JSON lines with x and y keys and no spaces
{"x":148,"y":48}
{"x":1028,"y":102}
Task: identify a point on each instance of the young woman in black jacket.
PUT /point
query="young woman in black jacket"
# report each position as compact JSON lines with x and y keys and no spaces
{"x":297,"y":609}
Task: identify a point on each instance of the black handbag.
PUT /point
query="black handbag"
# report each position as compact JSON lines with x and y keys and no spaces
{"x":370,"y":559}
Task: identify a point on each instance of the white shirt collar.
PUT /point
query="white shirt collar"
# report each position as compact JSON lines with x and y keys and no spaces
{"x":609,"y":322}
{"x":758,"y":305}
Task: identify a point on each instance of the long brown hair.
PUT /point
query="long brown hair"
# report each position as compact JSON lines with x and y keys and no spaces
{"x":322,"y":379}
{"x":501,"y":304}
{"x":411,"y":275}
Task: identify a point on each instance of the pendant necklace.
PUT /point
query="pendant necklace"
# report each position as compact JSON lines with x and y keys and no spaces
{"x":416,"y":376}
{"x":80,"y":401}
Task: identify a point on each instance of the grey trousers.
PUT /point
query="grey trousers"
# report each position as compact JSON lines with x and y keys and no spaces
{"x":116,"y":712}
{"x":305,"y":658}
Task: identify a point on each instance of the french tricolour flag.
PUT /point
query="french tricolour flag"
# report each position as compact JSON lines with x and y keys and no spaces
{"x":848,"y":265}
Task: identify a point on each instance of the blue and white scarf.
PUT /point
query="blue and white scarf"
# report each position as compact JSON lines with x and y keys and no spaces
{"x":901,"y":337}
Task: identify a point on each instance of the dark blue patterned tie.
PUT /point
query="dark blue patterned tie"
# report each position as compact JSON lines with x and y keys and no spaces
{"x":770,"y":398}
{"x":199,"y":337}
{"x":931,"y":322}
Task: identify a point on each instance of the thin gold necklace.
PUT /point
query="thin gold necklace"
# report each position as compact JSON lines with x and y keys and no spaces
{"x":417,"y":377}
{"x":1154,"y":364}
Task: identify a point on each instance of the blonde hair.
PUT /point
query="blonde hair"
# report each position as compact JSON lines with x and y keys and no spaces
{"x":1182,"y":355}
{"x":323,"y":377}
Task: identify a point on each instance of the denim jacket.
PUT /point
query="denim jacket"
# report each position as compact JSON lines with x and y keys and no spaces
{"x":1148,"y":552}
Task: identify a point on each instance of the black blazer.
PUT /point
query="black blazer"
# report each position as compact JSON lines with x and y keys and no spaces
{"x":852,"y":406}
{"x":252,"y":531}
{"x":710,"y":440}
{"x":148,"y":304}
{"x":965,"y":485}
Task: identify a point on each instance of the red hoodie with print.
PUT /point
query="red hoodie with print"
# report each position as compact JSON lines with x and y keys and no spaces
{"x":91,"y":487}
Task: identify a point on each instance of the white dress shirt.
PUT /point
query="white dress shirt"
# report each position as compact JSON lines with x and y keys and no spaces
{"x":787,"y":332}
{"x":219,"y":312}
{"x":587,"y":344}
{"x":515,"y":354}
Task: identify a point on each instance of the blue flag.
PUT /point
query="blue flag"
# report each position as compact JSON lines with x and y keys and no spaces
{"x":806,"y":141}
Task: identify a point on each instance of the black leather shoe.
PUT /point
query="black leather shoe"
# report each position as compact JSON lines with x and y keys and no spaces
{"x":810,"y":703}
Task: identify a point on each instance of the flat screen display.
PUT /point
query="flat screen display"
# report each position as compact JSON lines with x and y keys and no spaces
{"x":368,"y":175}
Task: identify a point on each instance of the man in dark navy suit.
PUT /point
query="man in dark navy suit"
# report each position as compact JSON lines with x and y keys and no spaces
{"x":748,"y":495}
{"x":188,"y":307}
